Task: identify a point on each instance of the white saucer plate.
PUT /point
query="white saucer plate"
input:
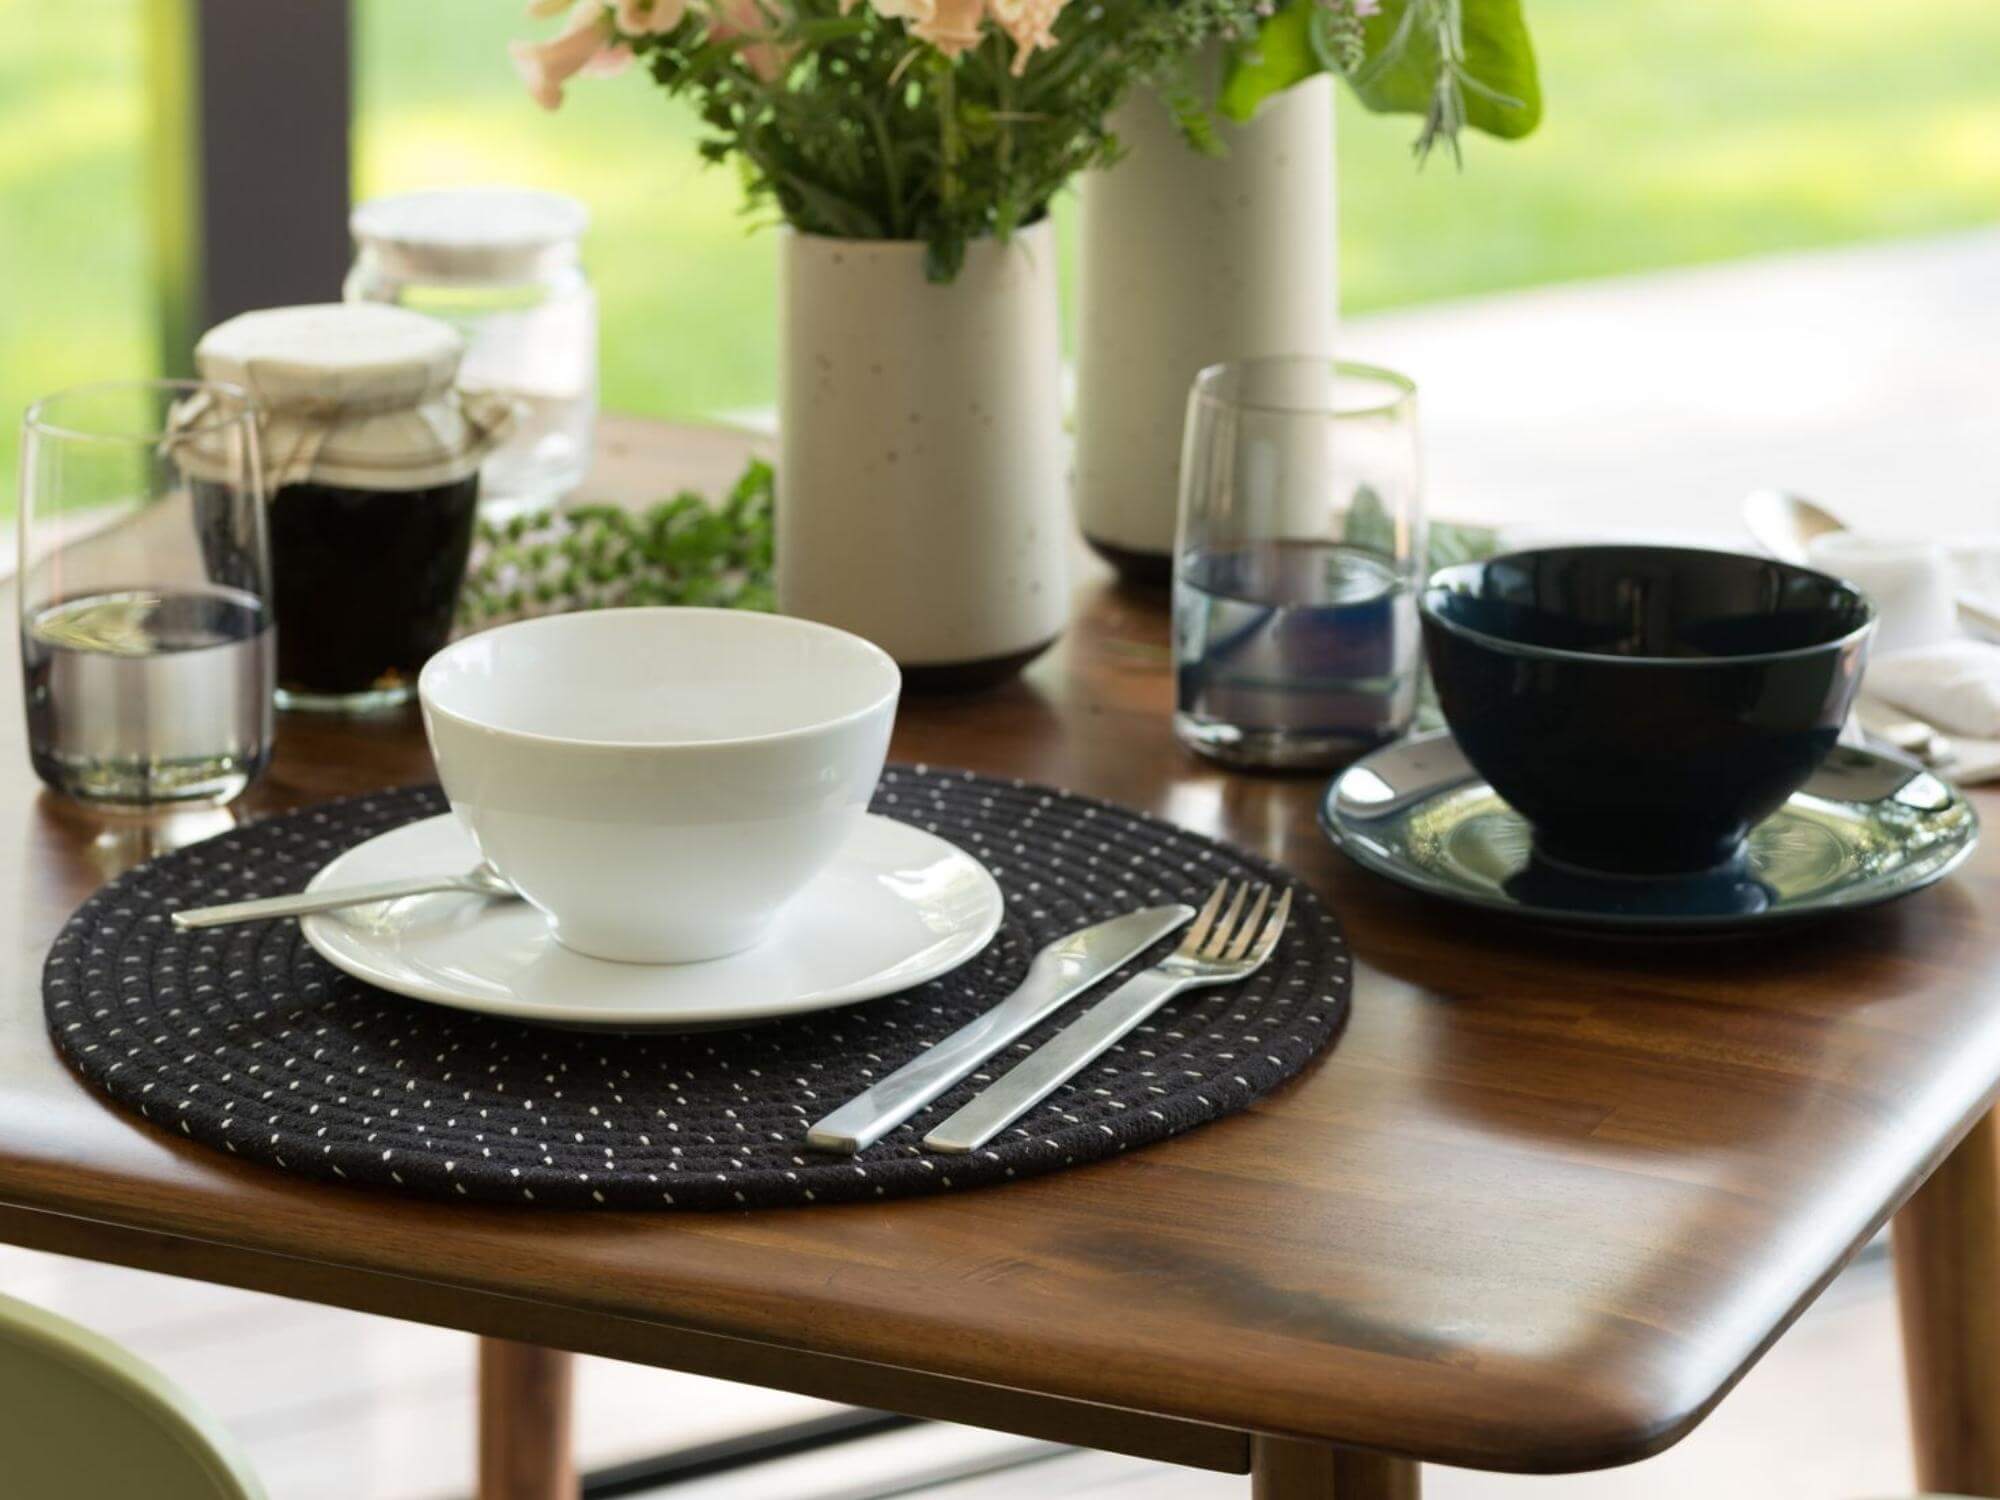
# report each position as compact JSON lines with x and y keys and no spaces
{"x":897,"y":906}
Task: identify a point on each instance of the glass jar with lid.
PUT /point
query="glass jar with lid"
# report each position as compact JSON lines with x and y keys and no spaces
{"x":372,"y":464}
{"x":502,"y":266}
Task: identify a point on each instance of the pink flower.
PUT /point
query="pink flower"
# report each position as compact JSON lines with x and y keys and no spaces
{"x":916,"y":12}
{"x":730,"y":19}
{"x":585,"y":44}
{"x":641,"y":17}
{"x":952,"y":26}
{"x":1030,"y":24}
{"x":607,"y":62}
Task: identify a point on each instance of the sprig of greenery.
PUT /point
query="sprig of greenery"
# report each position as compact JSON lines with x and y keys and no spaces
{"x":1457,"y":64}
{"x":868,"y":133}
{"x":684,"y":550}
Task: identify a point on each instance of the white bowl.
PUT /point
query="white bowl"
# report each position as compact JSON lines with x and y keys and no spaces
{"x":659,"y":781}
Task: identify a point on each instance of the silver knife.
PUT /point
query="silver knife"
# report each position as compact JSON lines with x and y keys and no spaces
{"x":1061,"y":971}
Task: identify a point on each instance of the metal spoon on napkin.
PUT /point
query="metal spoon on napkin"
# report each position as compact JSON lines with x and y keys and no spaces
{"x":481,"y":880}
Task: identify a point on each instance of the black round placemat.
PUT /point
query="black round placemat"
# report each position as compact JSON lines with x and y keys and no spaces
{"x":245,"y":1039}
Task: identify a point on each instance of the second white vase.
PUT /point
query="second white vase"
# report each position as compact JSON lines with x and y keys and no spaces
{"x":1188,"y":260}
{"x":922,"y":500}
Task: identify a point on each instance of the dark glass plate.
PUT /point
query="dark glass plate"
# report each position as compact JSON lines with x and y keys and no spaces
{"x":1869,"y":827}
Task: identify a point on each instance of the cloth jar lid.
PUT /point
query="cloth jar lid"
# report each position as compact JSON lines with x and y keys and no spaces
{"x":471,"y":234}
{"x":357,"y":395}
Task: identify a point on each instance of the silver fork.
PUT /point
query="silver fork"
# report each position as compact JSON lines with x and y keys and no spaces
{"x":1220,"y":948}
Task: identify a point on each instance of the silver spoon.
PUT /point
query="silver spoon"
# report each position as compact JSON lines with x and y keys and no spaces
{"x":481,"y":880}
{"x":1911,"y":736}
{"x":1784,"y":523}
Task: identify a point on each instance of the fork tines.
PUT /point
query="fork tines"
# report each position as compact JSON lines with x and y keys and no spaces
{"x":1230,"y":938}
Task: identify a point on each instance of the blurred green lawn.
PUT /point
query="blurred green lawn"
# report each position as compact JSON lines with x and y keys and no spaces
{"x":1677,"y":131}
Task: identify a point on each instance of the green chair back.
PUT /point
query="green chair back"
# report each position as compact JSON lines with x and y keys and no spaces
{"x":82,"y":1419}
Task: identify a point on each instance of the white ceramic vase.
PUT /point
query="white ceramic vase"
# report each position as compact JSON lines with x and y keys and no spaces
{"x":922,"y":495}
{"x":1188,"y":260}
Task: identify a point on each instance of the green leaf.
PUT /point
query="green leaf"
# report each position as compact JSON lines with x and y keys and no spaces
{"x":1503,"y":95}
{"x":1502,"y":91}
{"x":842,"y":217}
{"x":1281,"y":56}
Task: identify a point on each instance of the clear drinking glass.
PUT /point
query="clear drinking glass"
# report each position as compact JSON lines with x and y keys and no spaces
{"x":1299,"y":553}
{"x":146,"y":633}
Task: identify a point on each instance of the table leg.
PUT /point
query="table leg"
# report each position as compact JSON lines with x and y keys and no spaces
{"x":1947,"y":1240}
{"x":524,"y":1423}
{"x":1285,"y":1469}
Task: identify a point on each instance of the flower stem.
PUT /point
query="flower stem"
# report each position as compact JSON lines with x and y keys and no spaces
{"x":948,"y":141}
{"x":892,"y":180}
{"x":1004,"y":116}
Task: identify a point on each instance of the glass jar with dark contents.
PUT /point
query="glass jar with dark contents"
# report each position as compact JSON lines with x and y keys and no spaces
{"x":373,"y":473}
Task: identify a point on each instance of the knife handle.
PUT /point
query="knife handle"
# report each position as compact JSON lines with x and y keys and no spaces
{"x":1055,"y":1062}
{"x":879,"y":1109}
{"x":1061,"y":971}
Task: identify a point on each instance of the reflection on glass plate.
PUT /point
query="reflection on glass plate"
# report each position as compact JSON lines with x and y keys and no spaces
{"x":1867,"y":828}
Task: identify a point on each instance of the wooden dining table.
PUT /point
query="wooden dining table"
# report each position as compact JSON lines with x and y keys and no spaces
{"x":1540,"y":1208}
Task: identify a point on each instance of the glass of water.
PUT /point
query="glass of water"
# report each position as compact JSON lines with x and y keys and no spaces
{"x":1296,"y":566}
{"x":146,"y":636}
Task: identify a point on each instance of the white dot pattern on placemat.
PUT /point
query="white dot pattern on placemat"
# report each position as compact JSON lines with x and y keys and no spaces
{"x":246,"y":1040}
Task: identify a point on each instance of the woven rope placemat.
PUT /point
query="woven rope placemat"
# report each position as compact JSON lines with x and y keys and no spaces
{"x":245,"y":1039}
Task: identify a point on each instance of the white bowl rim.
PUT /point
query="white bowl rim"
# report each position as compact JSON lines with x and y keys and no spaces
{"x":764,"y":618}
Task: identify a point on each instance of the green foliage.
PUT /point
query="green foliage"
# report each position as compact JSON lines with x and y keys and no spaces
{"x":681,"y":551}
{"x":1456,"y":63}
{"x":869,"y":133}
{"x":688,"y":550}
{"x":1281,"y":55}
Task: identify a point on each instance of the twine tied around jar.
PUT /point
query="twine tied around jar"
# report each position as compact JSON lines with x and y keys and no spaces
{"x":357,"y":397}
{"x":294,"y":435}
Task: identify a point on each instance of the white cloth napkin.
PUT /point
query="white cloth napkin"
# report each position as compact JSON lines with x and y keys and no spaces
{"x":1909,"y":581}
{"x":1954,"y":686}
{"x":1921,"y":663}
{"x":1973,"y":762}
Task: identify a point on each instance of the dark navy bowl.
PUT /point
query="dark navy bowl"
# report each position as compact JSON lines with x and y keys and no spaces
{"x":1643,"y":707}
